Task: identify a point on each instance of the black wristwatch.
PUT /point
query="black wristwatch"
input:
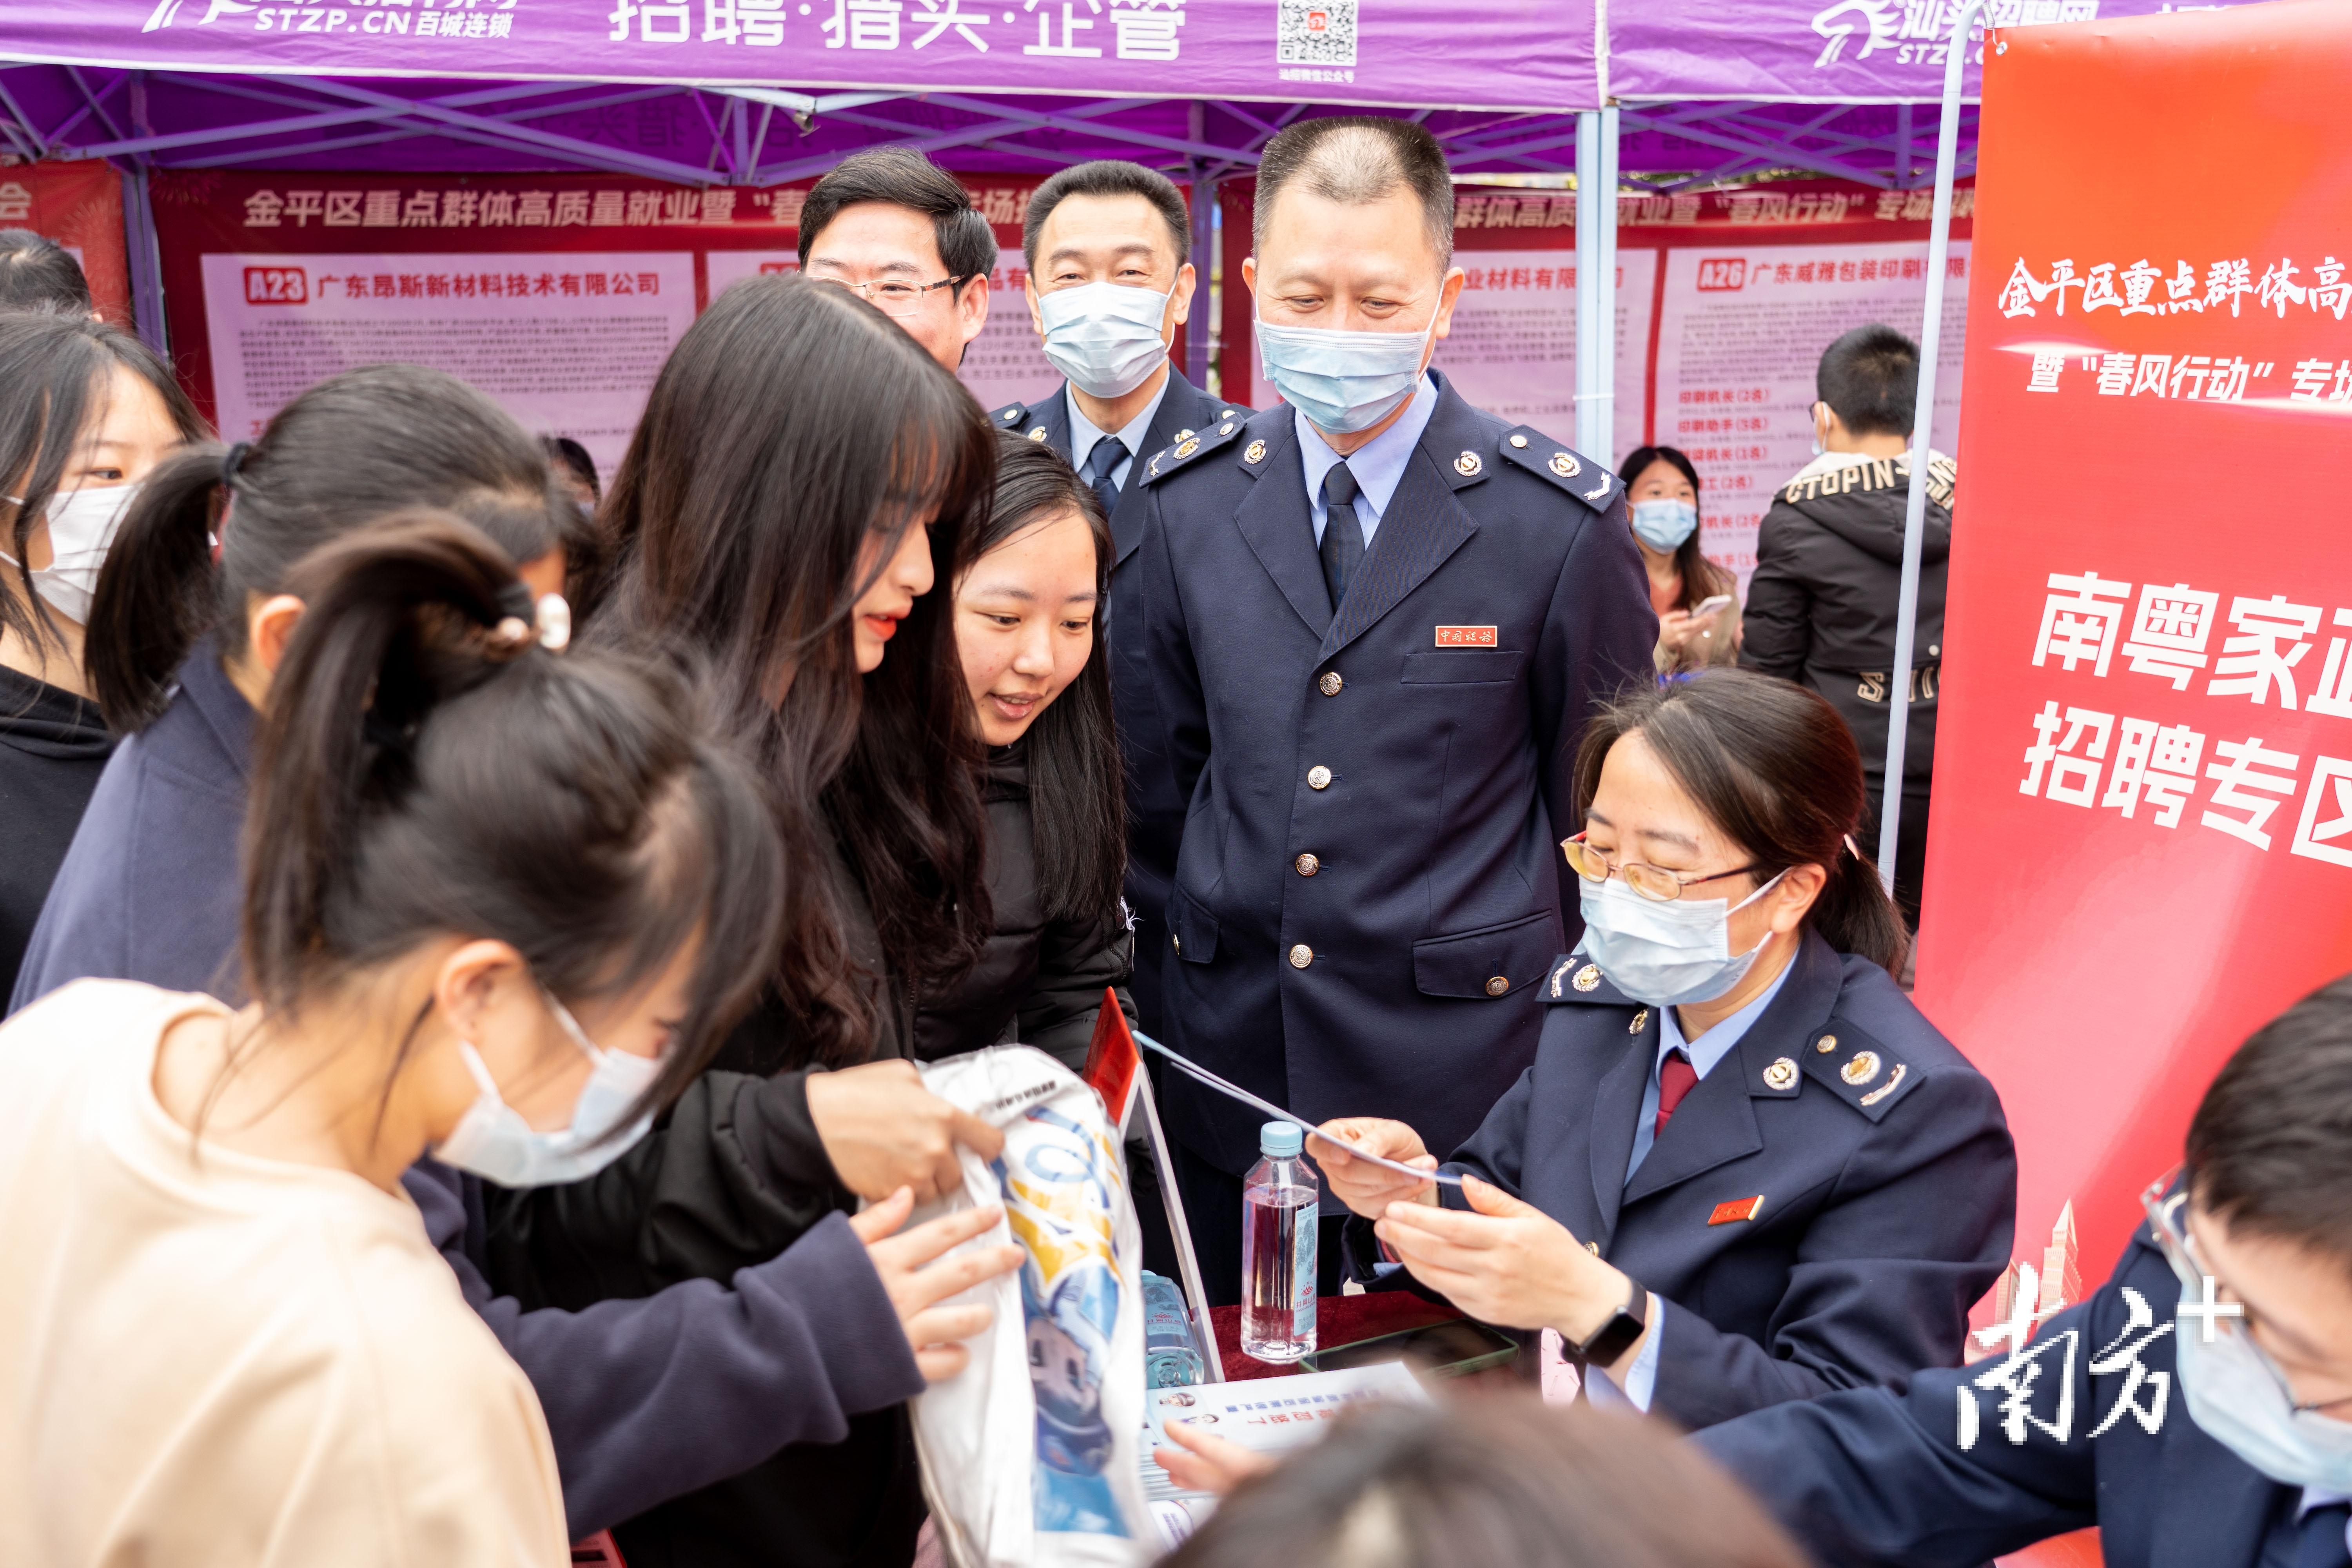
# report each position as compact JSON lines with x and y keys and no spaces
{"x":1623,"y":1327}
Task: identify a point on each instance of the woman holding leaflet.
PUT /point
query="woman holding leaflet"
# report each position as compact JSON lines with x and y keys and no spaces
{"x":1743,"y":1168}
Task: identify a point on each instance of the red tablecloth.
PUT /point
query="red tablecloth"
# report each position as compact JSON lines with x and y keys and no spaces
{"x":1339,"y":1320}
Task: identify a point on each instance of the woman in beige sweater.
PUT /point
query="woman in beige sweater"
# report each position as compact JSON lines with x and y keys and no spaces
{"x":498,"y":905}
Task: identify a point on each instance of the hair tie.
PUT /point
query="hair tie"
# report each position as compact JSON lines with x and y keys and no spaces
{"x":233,"y":463}
{"x":1850,"y":846}
{"x":546,"y":620}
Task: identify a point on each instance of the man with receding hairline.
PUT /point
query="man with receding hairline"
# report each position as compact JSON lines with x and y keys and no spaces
{"x":1374,"y":621}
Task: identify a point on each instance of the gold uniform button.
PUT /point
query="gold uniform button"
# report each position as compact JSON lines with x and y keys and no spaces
{"x":1186,"y":448}
{"x":1641,"y":1022}
{"x":1498,"y":985}
{"x":1593,"y":1247}
{"x":1862,"y":1069}
{"x":1301,"y":956}
{"x":1587,"y":978}
{"x":1179,"y":942}
{"x":1330,"y":683}
{"x":1307,"y":864}
{"x":1184,"y":435}
{"x":1826,"y":1043}
{"x":1319,"y":777}
{"x":1224,"y":429}
{"x":1521,"y":441}
{"x":1780,"y":1075}
{"x":1228,"y":414}
{"x":1012,"y":415}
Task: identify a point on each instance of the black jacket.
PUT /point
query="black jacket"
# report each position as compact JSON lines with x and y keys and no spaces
{"x":1038,"y":981}
{"x":1821,"y":607}
{"x":53,"y":746}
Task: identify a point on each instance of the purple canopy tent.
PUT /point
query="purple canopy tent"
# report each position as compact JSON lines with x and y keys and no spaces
{"x":1654,"y":98}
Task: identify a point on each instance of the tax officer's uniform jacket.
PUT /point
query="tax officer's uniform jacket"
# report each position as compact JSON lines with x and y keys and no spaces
{"x":1155,"y":813}
{"x":1367,"y":892}
{"x":2083,"y":1426}
{"x":1822,"y":1210}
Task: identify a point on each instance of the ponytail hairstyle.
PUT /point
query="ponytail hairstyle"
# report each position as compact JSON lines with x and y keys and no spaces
{"x":794,"y":427}
{"x":56,"y":375}
{"x":426,"y":769}
{"x":1773,"y":766}
{"x":346,"y":452}
{"x":1077,"y":805}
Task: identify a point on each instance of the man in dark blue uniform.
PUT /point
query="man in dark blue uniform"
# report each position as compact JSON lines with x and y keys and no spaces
{"x":1109,"y":289}
{"x":1376,"y":619}
{"x":2197,"y":1408}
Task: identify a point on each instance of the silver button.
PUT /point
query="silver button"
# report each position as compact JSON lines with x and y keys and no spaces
{"x":1498,"y":985}
{"x":1330,"y":683}
{"x":1307,"y":864}
{"x":1319,"y":777}
{"x":1519,"y":441}
{"x":1301,"y":956}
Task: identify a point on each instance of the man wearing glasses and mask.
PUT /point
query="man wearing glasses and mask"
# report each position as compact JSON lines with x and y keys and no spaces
{"x":900,"y":231}
{"x":2197,"y":1408}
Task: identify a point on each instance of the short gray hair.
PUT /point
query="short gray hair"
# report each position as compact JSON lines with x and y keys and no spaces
{"x":1359,"y":158}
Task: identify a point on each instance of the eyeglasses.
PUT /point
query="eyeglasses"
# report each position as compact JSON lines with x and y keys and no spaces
{"x":2167,"y":1222}
{"x":891,"y":297}
{"x":1654,"y":883}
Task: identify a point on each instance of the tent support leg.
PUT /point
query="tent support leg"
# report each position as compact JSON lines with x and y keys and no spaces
{"x":1596,"y":282}
{"x":1914,"y":511}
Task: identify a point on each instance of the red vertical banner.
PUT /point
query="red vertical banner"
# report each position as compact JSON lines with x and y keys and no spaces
{"x":2142,"y":835}
{"x":79,"y":205}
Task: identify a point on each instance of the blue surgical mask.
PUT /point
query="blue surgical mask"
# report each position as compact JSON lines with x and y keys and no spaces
{"x":2242,"y":1401}
{"x":1343,"y":382}
{"x":494,"y":1142}
{"x":1667,"y":953}
{"x":1106,"y":337}
{"x":1663,"y":524}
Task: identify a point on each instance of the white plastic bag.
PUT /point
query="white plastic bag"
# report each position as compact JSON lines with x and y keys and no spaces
{"x":1029,"y":1455}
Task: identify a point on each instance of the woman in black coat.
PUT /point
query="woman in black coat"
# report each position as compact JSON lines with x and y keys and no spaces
{"x":1743,"y":1169}
{"x":1028,"y":617}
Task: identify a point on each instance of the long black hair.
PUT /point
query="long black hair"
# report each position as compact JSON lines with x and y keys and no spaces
{"x":794,"y":425}
{"x":1077,"y":799}
{"x":55,"y":375}
{"x":426,"y":768}
{"x":1702,"y":578}
{"x":350,"y":450}
{"x":1773,"y":766}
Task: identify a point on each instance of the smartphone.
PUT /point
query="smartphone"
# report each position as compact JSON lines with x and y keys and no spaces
{"x":1444,"y":1350}
{"x":1710,"y":605}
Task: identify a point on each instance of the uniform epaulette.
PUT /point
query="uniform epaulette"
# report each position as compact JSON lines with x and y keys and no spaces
{"x":1576,"y":978}
{"x":1857,"y":1068}
{"x":1008,"y":417}
{"x":1582,"y":478}
{"x":1167,"y":460}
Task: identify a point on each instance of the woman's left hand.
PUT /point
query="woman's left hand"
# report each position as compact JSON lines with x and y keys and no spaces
{"x":1508,"y":1263}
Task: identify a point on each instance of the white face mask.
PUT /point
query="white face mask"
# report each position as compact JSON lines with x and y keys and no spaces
{"x":495,"y":1142}
{"x":1343,"y":382}
{"x":1664,"y":953}
{"x":1106,"y":337}
{"x":83,"y":526}
{"x":2242,"y":1401}
{"x":1664,"y":523}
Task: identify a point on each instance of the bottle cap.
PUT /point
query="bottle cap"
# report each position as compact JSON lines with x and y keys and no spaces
{"x":1280,"y":1140}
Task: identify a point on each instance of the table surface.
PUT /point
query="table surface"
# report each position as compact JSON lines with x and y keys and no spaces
{"x":1339,"y":1320}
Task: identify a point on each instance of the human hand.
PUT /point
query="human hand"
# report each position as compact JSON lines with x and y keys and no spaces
{"x":1203,"y":1463}
{"x":916,"y":1275}
{"x":1366,"y":1188}
{"x":883,"y":1131}
{"x":1508,"y":1263}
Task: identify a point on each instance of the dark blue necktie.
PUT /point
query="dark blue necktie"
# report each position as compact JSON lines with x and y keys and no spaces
{"x":1108,"y":454}
{"x":1343,"y":535}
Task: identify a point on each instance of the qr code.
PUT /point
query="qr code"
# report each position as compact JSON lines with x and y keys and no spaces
{"x":1316,"y":33}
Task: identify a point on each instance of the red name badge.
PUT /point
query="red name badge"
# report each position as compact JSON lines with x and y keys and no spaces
{"x":1466,"y":636}
{"x":1736,"y":1210}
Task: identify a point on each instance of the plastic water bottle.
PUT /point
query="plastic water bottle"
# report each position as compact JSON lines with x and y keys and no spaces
{"x":1278,"y":1199}
{"x":1171,"y":1355}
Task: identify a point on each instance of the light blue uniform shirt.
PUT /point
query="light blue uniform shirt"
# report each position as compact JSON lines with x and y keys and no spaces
{"x":1642,"y":1377}
{"x":1378,"y":464}
{"x":1082,"y":433}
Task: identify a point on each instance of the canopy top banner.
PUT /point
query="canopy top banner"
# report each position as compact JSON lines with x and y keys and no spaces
{"x":1495,"y":54}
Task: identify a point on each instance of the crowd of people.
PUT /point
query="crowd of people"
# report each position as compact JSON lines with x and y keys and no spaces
{"x":473,"y":930}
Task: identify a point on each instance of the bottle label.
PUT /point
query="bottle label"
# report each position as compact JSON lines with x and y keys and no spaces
{"x":1302,"y":1274}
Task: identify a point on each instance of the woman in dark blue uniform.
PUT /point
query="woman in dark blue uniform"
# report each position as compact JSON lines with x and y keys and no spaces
{"x":1743,"y":1168}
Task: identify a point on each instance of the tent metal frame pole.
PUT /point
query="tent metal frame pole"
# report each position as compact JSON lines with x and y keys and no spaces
{"x":1923,"y":418}
{"x":146,"y":259}
{"x":1596,"y":279}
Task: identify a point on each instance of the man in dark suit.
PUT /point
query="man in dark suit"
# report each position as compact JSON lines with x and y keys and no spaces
{"x":1109,"y":289}
{"x":1376,"y":619}
{"x":2197,"y":1409}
